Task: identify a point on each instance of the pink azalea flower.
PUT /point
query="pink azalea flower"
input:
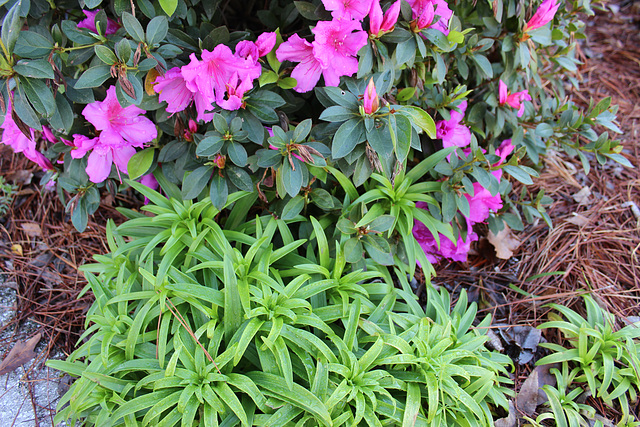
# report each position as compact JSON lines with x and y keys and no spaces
{"x":543,"y":15}
{"x":210,"y":76}
{"x":121,"y":130}
{"x":336,"y":45}
{"x":173,"y":89}
{"x":455,"y":251}
{"x":425,"y":12}
{"x":248,"y":49}
{"x":379,"y":24}
{"x":102,"y":156}
{"x":120,"y":125}
{"x":503,"y":151}
{"x":452,"y":132}
{"x":48,"y":135}
{"x":348,"y":9}
{"x":481,"y":203}
{"x":13,"y":137}
{"x":308,"y":71}
{"x":371,"y":102}
{"x":235,"y":92}
{"x":90,"y":22}
{"x":515,"y":100}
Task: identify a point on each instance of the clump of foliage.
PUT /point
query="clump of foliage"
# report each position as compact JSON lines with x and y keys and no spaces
{"x":601,"y":360}
{"x":244,"y":323}
{"x":7,"y":192}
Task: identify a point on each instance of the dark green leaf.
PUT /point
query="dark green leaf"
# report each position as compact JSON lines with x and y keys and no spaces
{"x":11,"y":25}
{"x":218,"y":191}
{"x":24,"y":111}
{"x":293,"y":208}
{"x":133,"y":27}
{"x":93,"y":77}
{"x":291,"y":178}
{"x":36,"y":68}
{"x":157,"y":30}
{"x":519,"y":174}
{"x":209,"y":146}
{"x":39,"y":95}
{"x":237,"y":154}
{"x":239,"y":177}
{"x":32,"y":45}
{"x":194,"y":182}
{"x":350,"y":134}
{"x":80,"y":36}
{"x":62,"y":119}
{"x":353,"y":250}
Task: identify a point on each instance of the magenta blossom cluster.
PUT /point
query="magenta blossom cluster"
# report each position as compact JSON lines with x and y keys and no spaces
{"x":430,"y":14}
{"x":333,"y":52}
{"x":543,"y":15}
{"x":452,"y":132}
{"x":221,"y":77}
{"x":21,"y":143}
{"x":481,"y":204}
{"x":515,"y":100}
{"x":120,"y":130}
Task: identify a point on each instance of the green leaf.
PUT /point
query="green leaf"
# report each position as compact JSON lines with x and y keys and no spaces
{"x":105,"y":54}
{"x":39,"y":95}
{"x":62,"y":119}
{"x":32,"y":45}
{"x":240,"y":178}
{"x":140,"y":163}
{"x":169,"y":6}
{"x":133,"y":26}
{"x":428,"y":164}
{"x":194,"y":182}
{"x":421,"y":118}
{"x":519,"y":174}
{"x":157,"y":29}
{"x":292,"y":178}
{"x":24,"y":111}
{"x":293,"y":208}
{"x":93,"y":77}
{"x":237,"y":154}
{"x":11,"y":25}
{"x":218,"y":191}
{"x":353,"y":250}
{"x":413,"y":405}
{"x":36,"y":68}
{"x":298,"y":396}
{"x":350,"y":134}
{"x":306,"y":9}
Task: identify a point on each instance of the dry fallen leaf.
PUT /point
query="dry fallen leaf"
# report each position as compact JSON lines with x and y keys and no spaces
{"x":578,"y":220}
{"x":531,"y":394}
{"x":16,"y":249}
{"x":582,"y":196}
{"x":504,"y":243}
{"x":20,"y":354}
{"x":510,"y":420}
{"x":31,"y":228}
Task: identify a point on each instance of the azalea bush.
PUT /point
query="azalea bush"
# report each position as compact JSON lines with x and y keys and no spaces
{"x":301,"y":97}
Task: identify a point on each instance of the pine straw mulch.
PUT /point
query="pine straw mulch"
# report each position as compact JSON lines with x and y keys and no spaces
{"x":594,"y":245}
{"x":40,"y":252}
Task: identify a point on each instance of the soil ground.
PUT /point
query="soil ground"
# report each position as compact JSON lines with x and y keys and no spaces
{"x":593,"y":247}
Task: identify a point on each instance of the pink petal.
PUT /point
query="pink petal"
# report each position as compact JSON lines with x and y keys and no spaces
{"x":99,"y":164}
{"x":503,"y":92}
